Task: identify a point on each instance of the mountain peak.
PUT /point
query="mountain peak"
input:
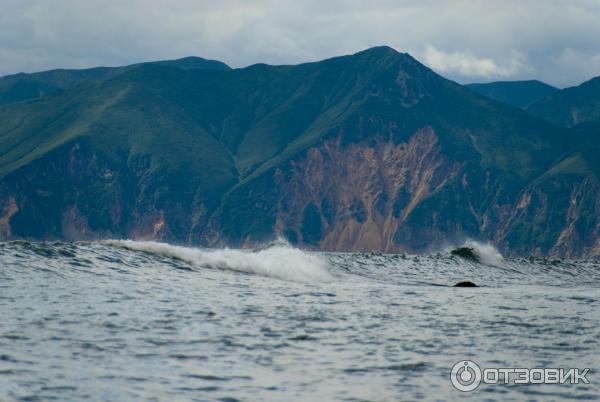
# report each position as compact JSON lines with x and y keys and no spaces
{"x":378,"y":57}
{"x":193,"y":62}
{"x":379,"y":52}
{"x":383,"y":49}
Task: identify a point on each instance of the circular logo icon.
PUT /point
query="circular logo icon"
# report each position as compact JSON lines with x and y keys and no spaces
{"x":465,"y":375}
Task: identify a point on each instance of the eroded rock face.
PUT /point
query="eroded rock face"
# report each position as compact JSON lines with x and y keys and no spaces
{"x":360,"y":193}
{"x":559,"y":215}
{"x":9,"y":209}
{"x":75,"y":194}
{"x":411,"y":196}
{"x":376,"y":195}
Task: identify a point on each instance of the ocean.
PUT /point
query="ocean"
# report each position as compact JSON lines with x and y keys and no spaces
{"x":143,"y":321}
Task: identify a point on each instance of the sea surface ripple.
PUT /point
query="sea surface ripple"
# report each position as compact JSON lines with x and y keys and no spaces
{"x":130,"y":321}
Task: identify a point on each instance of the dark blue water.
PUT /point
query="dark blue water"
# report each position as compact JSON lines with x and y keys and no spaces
{"x":131,"y":321}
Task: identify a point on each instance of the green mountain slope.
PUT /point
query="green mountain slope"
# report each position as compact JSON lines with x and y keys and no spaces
{"x":20,"y":87}
{"x":360,"y":152}
{"x":514,"y":93}
{"x":564,"y":200}
{"x":570,"y":106}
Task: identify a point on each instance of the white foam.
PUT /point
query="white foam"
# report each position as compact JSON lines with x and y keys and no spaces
{"x":278,"y":261}
{"x":487,"y":253}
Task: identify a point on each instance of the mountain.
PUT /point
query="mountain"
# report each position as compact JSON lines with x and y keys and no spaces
{"x":570,"y":106}
{"x":564,"y":200}
{"x":371,"y":151}
{"x":20,"y":87}
{"x":514,"y":93}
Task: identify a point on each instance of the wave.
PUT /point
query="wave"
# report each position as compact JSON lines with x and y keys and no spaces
{"x":277,"y":261}
{"x":483,"y":253}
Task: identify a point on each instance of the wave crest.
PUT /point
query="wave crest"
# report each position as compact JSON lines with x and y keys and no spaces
{"x":278,"y":260}
{"x":484,"y":253}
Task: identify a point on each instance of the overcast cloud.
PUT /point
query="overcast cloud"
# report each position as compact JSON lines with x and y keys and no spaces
{"x":554,"y":41}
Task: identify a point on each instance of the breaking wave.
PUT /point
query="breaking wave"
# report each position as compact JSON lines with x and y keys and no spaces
{"x":278,"y":260}
{"x":483,"y":253}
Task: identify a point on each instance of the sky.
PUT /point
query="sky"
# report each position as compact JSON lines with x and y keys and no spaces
{"x":554,"y":41}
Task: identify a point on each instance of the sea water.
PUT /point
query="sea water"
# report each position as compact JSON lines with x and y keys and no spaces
{"x":135,"y":321}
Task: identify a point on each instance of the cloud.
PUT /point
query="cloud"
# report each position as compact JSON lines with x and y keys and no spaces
{"x":578,"y":62}
{"x":466,"y":40}
{"x":468,"y":65}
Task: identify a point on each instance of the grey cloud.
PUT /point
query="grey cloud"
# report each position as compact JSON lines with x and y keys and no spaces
{"x":468,"y":65}
{"x":555,"y":41}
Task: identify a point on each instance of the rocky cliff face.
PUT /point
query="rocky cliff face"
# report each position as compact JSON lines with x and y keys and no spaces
{"x":376,"y":195}
{"x":78,"y":194}
{"x":412,"y":197}
{"x":561,"y":215}
{"x":357,"y":197}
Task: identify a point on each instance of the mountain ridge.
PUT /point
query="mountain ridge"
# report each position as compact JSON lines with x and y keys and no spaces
{"x":237,"y":156}
{"x":515,"y":93}
{"x":25,"y":86}
{"x":570,"y":106}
